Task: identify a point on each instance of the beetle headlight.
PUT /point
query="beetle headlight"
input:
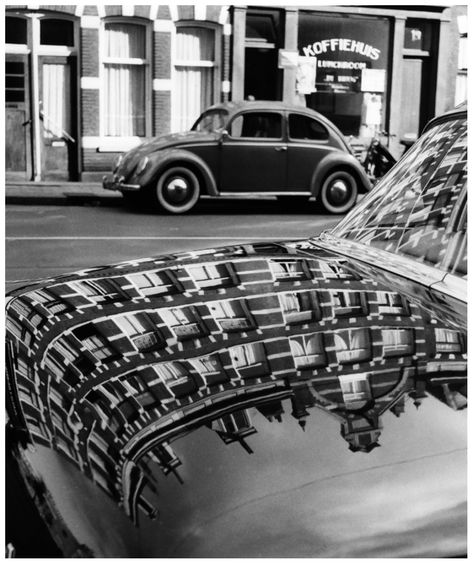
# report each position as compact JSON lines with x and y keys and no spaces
{"x":117,"y":162}
{"x":142,"y":165}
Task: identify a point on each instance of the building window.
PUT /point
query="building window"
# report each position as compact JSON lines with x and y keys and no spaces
{"x":125,"y":79}
{"x":196,"y":75}
{"x":210,"y":368}
{"x":141,"y":330}
{"x":211,"y":275}
{"x":15,"y":30}
{"x":353,"y":346}
{"x":299,"y":307}
{"x":56,"y":32}
{"x":51,"y":302}
{"x":153,"y":283}
{"x":397,"y":342}
{"x":231,"y":315}
{"x":308,"y":351}
{"x":448,"y":341}
{"x":94,"y":342}
{"x":356,"y":389}
{"x":334,"y":271}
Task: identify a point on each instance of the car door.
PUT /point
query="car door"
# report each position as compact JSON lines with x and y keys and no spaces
{"x":254,"y":153}
{"x":309,"y":142}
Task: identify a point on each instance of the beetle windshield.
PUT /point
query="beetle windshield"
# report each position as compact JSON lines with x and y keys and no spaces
{"x":419,"y":208}
{"x":211,"y":121}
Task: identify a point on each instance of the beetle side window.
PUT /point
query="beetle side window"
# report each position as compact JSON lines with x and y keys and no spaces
{"x":306,"y":128}
{"x":264,"y":125}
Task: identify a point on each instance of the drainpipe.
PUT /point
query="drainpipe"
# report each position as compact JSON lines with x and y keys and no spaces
{"x":35,"y":33}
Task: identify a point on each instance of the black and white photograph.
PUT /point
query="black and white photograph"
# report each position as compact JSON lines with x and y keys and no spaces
{"x":235,"y":280}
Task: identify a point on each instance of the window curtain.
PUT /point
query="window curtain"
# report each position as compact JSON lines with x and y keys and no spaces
{"x":125,"y":82}
{"x":55,"y":104}
{"x":194,"y":83}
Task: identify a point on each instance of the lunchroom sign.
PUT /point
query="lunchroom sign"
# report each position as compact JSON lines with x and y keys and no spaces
{"x":346,"y":49}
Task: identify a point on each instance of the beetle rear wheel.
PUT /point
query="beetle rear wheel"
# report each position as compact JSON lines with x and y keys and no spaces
{"x":177,"y":190}
{"x":339,"y":191}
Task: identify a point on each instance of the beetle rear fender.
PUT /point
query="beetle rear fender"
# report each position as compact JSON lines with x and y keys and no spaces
{"x":161,"y":161}
{"x":336,"y":161}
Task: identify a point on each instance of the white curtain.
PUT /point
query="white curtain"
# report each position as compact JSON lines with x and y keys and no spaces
{"x":194,"y":83}
{"x":55,"y":103}
{"x":125,"y":82}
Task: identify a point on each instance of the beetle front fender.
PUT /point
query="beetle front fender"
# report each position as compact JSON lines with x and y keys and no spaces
{"x":162,"y":160}
{"x":339,"y":161}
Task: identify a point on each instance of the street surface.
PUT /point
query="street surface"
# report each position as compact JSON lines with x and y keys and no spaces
{"x":43,"y":241}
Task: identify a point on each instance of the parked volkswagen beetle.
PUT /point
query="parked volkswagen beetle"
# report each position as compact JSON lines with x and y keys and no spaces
{"x":298,"y":399}
{"x":243,"y":148}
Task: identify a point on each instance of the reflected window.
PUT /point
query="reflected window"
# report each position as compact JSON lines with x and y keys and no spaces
{"x":211,"y":275}
{"x":152,"y":283}
{"x":184,"y":322}
{"x":397,"y":342}
{"x":299,"y":307}
{"x":231,"y":315}
{"x":51,"y":302}
{"x":448,"y":341}
{"x":249,"y":360}
{"x":172,"y":373}
{"x":257,"y":124}
{"x":334,"y":271}
{"x":308,"y":351}
{"x":353,"y":346}
{"x":94,"y":342}
{"x":141,"y":330}
{"x":356,"y":389}
{"x":211,"y":369}
{"x":289,"y":269}
{"x":349,"y":303}
{"x":390,"y":303}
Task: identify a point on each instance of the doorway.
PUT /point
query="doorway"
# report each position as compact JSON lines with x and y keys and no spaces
{"x":263,"y":79}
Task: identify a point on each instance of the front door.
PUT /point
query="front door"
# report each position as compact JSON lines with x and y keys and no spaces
{"x":254,"y":154}
{"x":58,"y":118}
{"x":17,"y":118}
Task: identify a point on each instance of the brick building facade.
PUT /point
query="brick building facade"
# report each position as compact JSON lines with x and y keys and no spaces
{"x":85,"y":83}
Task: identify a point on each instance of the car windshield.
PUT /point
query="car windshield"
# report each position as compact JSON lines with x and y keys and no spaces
{"x":419,"y":208}
{"x":211,"y":121}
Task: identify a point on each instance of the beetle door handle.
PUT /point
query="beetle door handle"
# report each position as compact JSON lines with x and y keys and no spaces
{"x":280,"y":148}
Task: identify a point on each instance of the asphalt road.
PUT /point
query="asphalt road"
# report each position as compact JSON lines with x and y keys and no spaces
{"x":44,"y":241}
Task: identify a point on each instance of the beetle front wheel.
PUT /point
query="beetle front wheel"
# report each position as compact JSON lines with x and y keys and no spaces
{"x":177,"y":190}
{"x":338,"y":192}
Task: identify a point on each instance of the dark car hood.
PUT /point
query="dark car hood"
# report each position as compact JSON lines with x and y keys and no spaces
{"x":255,"y":400}
{"x":166,"y":142}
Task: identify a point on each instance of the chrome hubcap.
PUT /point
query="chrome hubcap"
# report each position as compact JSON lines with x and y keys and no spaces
{"x":339,"y":191}
{"x":177,"y":190}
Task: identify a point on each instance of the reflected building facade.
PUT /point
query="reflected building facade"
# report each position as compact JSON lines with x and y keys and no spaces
{"x":110,"y":366}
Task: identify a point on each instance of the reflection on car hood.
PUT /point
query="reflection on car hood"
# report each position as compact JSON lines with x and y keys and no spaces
{"x":256,"y":400}
{"x":166,"y":142}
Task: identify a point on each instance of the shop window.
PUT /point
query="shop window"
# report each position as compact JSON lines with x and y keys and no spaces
{"x":448,"y":341}
{"x":257,"y":124}
{"x":56,"y":32}
{"x":397,"y":342}
{"x":15,"y":30}
{"x":196,"y":73}
{"x":299,"y":307}
{"x":305,"y":128}
{"x":211,"y":275}
{"x":125,"y":79}
{"x":231,"y":315}
{"x":353,"y":346}
{"x":289,"y":269}
{"x":308,"y":351}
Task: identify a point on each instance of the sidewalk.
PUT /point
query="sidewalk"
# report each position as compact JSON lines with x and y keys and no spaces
{"x":60,"y":193}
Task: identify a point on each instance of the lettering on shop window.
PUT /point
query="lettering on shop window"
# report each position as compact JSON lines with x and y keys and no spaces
{"x":341,"y":44}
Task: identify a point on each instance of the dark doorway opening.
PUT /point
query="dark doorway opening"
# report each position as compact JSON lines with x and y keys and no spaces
{"x":263,"y":79}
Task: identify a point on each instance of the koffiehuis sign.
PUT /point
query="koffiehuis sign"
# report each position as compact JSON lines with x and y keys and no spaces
{"x":346,"y":48}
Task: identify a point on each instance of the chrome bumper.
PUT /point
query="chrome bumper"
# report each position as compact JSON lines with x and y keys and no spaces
{"x":113,"y":182}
